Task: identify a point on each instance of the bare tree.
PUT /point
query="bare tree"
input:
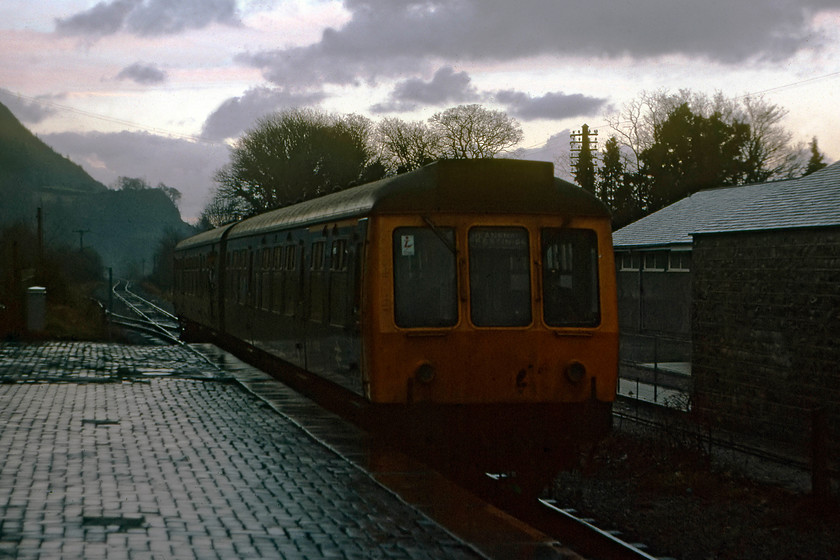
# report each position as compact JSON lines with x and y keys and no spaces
{"x":769,"y":153}
{"x":471,"y":131}
{"x":406,"y":145}
{"x":171,"y":192}
{"x":770,"y":145}
{"x":635,"y":126}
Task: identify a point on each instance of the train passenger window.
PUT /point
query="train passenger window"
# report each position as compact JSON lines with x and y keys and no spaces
{"x":291,"y":253}
{"x":500,"y":277}
{"x":317,"y":257}
{"x":292,"y":281}
{"x":570,"y":277}
{"x":338,"y":255}
{"x":425,"y":278}
{"x":278,"y":258}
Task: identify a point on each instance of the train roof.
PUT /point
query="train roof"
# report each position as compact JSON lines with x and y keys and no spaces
{"x":204,"y":238}
{"x":447,"y":186}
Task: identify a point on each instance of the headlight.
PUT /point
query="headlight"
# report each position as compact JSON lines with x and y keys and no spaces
{"x":425,"y":373}
{"x":574,"y":371}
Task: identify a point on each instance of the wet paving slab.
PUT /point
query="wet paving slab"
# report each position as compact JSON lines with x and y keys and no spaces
{"x":117,"y":451}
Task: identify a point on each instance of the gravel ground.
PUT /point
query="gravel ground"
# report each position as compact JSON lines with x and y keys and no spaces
{"x":684,"y":505}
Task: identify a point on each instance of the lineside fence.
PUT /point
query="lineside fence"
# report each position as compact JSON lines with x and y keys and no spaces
{"x":656,"y":370}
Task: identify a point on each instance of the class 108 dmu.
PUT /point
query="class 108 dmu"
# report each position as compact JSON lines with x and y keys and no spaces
{"x":480,"y":288}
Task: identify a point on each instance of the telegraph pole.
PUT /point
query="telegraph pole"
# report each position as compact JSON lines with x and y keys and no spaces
{"x":81,"y":233}
{"x":583,"y":143}
{"x":40,"y":233}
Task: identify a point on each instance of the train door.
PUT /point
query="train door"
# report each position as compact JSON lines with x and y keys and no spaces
{"x":210,"y":272}
{"x":316,"y":312}
{"x":300,"y":318}
{"x":250,"y":296}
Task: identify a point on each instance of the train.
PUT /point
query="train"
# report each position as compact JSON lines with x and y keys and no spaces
{"x":467,"y":296}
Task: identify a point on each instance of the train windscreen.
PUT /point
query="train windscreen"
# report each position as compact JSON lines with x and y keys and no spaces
{"x":500,"y":277}
{"x":570,"y":277}
{"x":425,"y":277}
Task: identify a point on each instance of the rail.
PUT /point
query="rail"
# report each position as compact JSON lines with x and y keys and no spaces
{"x":149,"y":324}
{"x":605,"y":544}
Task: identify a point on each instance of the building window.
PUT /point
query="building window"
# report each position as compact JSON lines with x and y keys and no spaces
{"x":628,"y":260}
{"x":655,"y":261}
{"x":680,"y":261}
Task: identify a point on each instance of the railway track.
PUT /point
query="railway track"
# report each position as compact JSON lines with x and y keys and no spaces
{"x":573,"y":531}
{"x":144,"y":315}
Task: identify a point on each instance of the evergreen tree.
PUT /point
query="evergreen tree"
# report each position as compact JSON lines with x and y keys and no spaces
{"x":617,"y":188}
{"x":691,"y":152}
{"x":816,"y":162}
{"x":610,"y":174}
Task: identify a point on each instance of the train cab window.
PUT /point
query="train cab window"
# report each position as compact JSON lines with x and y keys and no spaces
{"x":425,"y":278}
{"x":500,"y":277}
{"x":570,"y":277}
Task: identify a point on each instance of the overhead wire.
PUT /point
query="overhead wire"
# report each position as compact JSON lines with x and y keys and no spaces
{"x":194,"y":138}
{"x":760,"y":92}
{"x":107,"y":118}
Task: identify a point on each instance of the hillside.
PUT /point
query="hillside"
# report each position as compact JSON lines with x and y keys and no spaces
{"x":27,"y":165}
{"x":123,"y":226}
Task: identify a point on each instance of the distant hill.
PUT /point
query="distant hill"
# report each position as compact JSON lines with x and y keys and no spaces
{"x":122,"y":226}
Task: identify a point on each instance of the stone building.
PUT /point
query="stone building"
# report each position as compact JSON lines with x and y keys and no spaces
{"x":751,"y":276}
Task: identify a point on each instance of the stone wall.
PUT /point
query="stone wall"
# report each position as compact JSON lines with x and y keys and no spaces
{"x":766,"y":330}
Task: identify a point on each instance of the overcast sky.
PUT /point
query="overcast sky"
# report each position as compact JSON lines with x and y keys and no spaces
{"x":156,"y":88}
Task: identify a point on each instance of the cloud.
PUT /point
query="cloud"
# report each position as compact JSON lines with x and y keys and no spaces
{"x":29,"y":110}
{"x":237,"y":114}
{"x":102,"y":19}
{"x":556,"y":150}
{"x":184,"y":165}
{"x":142,"y":74}
{"x":445,"y":86}
{"x":549,"y":106}
{"x":383,"y":38}
{"x":148,"y":17}
{"x":448,"y":86}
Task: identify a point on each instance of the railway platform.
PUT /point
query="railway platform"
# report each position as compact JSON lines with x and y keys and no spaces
{"x":117,"y":451}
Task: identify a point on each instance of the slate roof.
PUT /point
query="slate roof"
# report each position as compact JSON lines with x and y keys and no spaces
{"x":810,"y":201}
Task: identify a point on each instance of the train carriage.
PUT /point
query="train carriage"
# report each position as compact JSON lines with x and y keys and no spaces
{"x":481,"y":291}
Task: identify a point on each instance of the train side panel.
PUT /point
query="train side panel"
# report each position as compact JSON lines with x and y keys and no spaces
{"x":196,"y":288}
{"x":295,"y":294}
